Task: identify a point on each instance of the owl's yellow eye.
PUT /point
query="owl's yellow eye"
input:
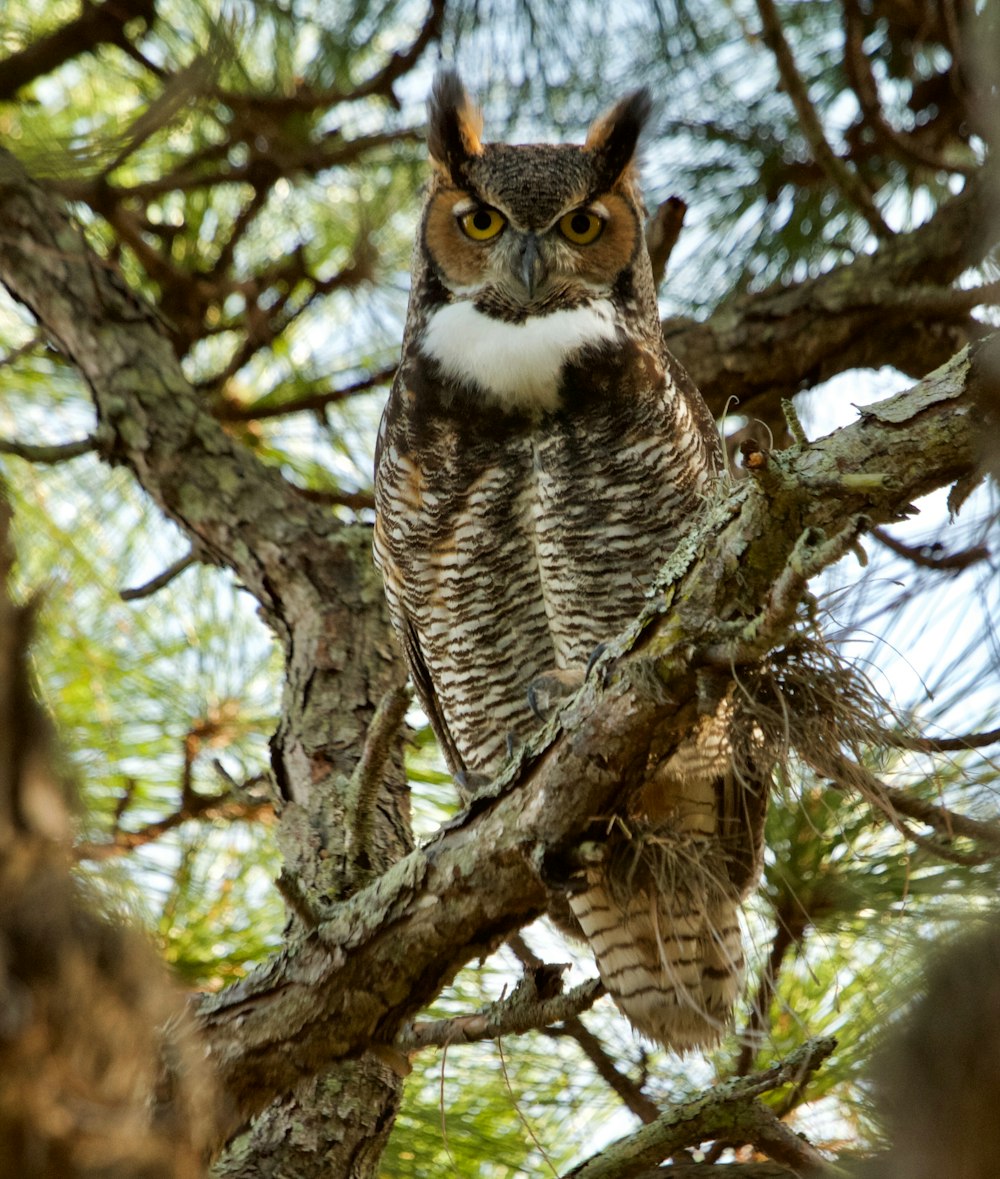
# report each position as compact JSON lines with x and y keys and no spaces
{"x":482,"y":223}
{"x":581,"y":227}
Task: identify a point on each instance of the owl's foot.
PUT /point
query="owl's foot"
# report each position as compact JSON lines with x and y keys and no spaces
{"x":547,"y":691}
{"x":470,"y":783}
{"x":595,"y":655}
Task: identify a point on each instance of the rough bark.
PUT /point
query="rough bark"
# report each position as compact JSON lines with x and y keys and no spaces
{"x":311,"y":575}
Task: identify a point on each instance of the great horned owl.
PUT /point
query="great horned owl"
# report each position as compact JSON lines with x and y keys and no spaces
{"x":539,"y":458}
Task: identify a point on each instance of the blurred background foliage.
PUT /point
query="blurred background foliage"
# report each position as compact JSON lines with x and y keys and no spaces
{"x":256,"y":168}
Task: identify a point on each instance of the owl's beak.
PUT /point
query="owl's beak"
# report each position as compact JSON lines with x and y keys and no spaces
{"x":532,"y":269}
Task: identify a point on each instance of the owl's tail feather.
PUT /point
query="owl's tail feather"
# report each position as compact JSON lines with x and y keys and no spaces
{"x":672,"y":963}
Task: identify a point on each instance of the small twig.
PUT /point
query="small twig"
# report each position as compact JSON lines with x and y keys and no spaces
{"x":794,"y":423}
{"x":522,"y":1012}
{"x":893,"y":803}
{"x":229,"y":807}
{"x":34,"y":452}
{"x":928,"y":556}
{"x":366,"y":781}
{"x":161,"y":580}
{"x":291,"y":892}
{"x":812,"y":553}
{"x":842,"y":175}
{"x":232,"y":411}
{"x":644,"y":1108}
{"x":520,"y":1113}
{"x":662,"y":232}
{"x":942,"y":744}
{"x":523,"y":952}
{"x":789,"y":931}
{"x":356,"y":500}
{"x":14,"y":355}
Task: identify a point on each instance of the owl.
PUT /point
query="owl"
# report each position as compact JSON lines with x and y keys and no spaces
{"x":539,"y":458}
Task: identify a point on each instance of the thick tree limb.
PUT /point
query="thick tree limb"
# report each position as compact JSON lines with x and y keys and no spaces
{"x":311,"y":574}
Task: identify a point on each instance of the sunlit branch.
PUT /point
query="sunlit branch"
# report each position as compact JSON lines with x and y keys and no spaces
{"x":155,"y":584}
{"x":34,"y":452}
{"x":847,"y":180}
{"x":523,"y":1012}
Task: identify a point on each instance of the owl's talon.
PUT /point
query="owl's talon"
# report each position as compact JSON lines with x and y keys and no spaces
{"x":595,"y":656}
{"x":547,"y":691}
{"x":470,"y":783}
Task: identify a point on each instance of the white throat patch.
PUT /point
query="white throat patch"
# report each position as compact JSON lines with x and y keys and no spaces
{"x":516,"y":364}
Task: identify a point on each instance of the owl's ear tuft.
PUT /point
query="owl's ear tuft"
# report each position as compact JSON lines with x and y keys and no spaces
{"x":454,"y":125}
{"x":612,"y":138}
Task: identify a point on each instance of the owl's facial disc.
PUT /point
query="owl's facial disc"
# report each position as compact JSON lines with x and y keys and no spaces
{"x":515,"y":259}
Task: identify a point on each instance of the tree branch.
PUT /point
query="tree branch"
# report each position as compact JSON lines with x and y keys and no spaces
{"x":728,"y":1110}
{"x":644,"y":1108}
{"x":933,"y":556}
{"x":161,"y":580}
{"x":36,"y":452}
{"x":768,"y":345}
{"x":230,"y":806}
{"x":523,"y":1012}
{"x":231,"y":411}
{"x":97,"y":24}
{"x":842,"y":175}
{"x":859,"y":73}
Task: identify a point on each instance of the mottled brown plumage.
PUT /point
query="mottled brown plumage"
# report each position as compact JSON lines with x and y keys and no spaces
{"x":539,"y":458}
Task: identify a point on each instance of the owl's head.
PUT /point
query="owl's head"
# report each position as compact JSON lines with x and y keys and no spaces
{"x":528,"y":227}
{"x":531,"y":258}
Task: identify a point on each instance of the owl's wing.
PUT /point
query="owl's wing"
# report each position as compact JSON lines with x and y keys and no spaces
{"x":421,"y":677}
